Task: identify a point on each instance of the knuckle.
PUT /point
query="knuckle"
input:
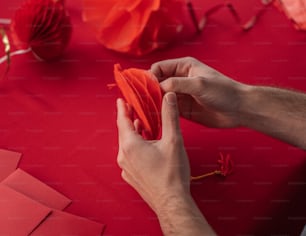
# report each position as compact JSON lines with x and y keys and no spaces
{"x":154,"y":65}
{"x":193,"y":61}
{"x":213,"y":74}
{"x":198,"y":82}
{"x":170,"y":84}
{"x":189,"y":58}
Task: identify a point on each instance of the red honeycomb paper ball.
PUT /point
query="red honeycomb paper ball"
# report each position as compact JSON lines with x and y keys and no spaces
{"x":44,"y":26}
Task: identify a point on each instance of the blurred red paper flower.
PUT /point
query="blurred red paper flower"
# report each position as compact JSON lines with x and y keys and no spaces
{"x":226,"y":164}
{"x":295,"y":11}
{"x":134,"y":26}
{"x":226,"y":168}
{"x":42,"y":25}
{"x":142,"y":92}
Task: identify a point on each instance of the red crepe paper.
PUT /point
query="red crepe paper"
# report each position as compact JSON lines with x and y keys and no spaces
{"x":295,"y":11}
{"x":226,"y":168}
{"x":134,"y":26}
{"x":142,"y":92}
{"x":42,"y":25}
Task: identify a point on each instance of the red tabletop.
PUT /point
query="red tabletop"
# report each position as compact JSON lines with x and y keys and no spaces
{"x":61,"y":116}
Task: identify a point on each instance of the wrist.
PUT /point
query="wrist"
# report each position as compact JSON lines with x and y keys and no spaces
{"x":179,"y":215}
{"x":247,"y":103}
{"x":170,"y":202}
{"x":276,"y":112}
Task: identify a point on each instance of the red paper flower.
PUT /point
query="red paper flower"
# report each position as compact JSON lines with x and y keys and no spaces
{"x":226,"y":168}
{"x":295,"y":11}
{"x":134,"y":26}
{"x":142,"y":92}
{"x":42,"y":25}
{"x":226,"y":164}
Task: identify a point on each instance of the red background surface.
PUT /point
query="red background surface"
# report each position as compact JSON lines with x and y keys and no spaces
{"x":61,"y":116}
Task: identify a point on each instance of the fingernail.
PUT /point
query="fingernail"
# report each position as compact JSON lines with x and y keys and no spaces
{"x":171,"y":98}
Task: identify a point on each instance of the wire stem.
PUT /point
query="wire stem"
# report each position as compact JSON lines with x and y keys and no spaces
{"x":216,"y":172}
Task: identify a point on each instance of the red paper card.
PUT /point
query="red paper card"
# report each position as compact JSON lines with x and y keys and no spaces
{"x":8,"y":162}
{"x":19,"y":215}
{"x":62,"y":223}
{"x":33,"y":188}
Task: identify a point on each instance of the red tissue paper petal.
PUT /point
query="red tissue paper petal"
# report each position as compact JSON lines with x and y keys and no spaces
{"x":295,"y":11}
{"x":134,"y":26}
{"x":42,"y":25}
{"x":226,"y":164}
{"x":142,"y":92}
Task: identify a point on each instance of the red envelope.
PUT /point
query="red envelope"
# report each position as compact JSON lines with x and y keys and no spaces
{"x":8,"y":162}
{"x":62,"y":223}
{"x":142,"y":92}
{"x":28,"y":185}
{"x":19,"y":215}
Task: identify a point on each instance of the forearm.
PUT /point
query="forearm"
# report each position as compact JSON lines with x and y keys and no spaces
{"x":277,"y":112}
{"x":181,"y":217}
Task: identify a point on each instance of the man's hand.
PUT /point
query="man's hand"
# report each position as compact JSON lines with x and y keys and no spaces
{"x":156,"y":169}
{"x":204,"y":95}
{"x":210,"y":98}
{"x":159,"y":170}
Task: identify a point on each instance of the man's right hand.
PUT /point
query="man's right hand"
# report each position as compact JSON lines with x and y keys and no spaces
{"x":204,"y":95}
{"x":208,"y":97}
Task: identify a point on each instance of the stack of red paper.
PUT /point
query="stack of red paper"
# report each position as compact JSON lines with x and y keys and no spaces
{"x":30,"y":207}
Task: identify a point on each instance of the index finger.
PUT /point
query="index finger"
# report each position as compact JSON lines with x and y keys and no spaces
{"x":179,"y":67}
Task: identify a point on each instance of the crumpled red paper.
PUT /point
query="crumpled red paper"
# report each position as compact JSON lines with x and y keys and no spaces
{"x":142,"y":92}
{"x":42,"y":25}
{"x":295,"y":11}
{"x":134,"y":26}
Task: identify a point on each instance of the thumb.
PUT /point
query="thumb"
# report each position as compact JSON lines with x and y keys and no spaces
{"x":170,"y":117}
{"x":187,"y":85}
